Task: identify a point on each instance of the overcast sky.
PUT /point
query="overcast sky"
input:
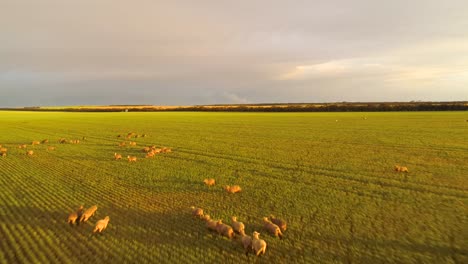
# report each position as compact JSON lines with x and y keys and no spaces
{"x":91,"y":52}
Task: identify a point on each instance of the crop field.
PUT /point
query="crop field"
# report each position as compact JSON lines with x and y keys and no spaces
{"x":329,"y":175}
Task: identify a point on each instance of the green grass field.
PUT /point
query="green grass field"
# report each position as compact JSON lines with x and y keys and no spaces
{"x":330,"y":175}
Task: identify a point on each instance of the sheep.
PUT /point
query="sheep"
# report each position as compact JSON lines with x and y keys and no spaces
{"x":209,"y":182}
{"x":22,"y":146}
{"x":35,"y":143}
{"x":3,"y":149}
{"x":224,"y":230}
{"x":157,"y":150}
{"x":237,"y":226}
{"x":50,"y":148}
{"x":101,"y":225}
{"x":75,"y":141}
{"x":149,"y":154}
{"x":258,"y":245}
{"x":3,"y":154}
{"x":63,"y":141}
{"x":272,"y":228}
{"x":246,"y":242}
{"x":398,"y":168}
{"x":44,"y":141}
{"x":210,"y":224}
{"x":146,"y":149}
{"x":197,"y":212}
{"x":122,"y":144}
{"x":279,"y":222}
{"x":75,"y":215}
{"x":117,"y":156}
{"x":166,"y":150}
{"x":132,"y":143}
{"x":88,"y":213}
{"x":132,"y":158}
{"x":232,"y":189}
{"x":29,"y":152}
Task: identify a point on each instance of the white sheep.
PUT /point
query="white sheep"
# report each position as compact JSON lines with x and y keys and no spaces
{"x":117,"y":156}
{"x":246,"y":242}
{"x":232,"y":189}
{"x":237,"y":226}
{"x":75,"y":215}
{"x":88,"y":213}
{"x":210,"y":224}
{"x":224,"y":229}
{"x":197,"y":212}
{"x":209,"y":182}
{"x":279,"y":222}
{"x":272,"y":228}
{"x":258,"y":245}
{"x":101,"y":225}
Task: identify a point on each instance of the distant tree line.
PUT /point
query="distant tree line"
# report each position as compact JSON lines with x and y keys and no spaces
{"x":325,"y":107}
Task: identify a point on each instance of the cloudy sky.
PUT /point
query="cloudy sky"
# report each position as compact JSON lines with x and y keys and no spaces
{"x":91,"y":52}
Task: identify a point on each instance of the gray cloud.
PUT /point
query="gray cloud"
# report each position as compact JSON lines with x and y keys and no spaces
{"x":62,"y":52}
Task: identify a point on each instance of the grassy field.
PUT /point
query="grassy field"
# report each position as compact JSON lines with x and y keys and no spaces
{"x":330,"y":175}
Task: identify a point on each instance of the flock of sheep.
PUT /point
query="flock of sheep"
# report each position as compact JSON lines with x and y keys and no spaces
{"x":30,"y":152}
{"x":274,"y":226}
{"x":81,"y":215}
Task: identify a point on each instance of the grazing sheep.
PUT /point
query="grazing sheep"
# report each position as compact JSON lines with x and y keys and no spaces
{"x":146,"y":149}
{"x":210,"y":224}
{"x":122,"y":144}
{"x":63,"y":141}
{"x":149,"y":154}
{"x":75,"y":215}
{"x":29,"y":152}
{"x":209,"y":182}
{"x":166,"y":150}
{"x":132,"y":143}
{"x":22,"y":146}
{"x":101,"y":225}
{"x":117,"y":156}
{"x":272,"y":228}
{"x":3,"y":149}
{"x":401,"y":168}
{"x":224,"y":230}
{"x":279,"y":222}
{"x":44,"y":141}
{"x":258,"y":245}
{"x":76,"y":141}
{"x":157,"y":150}
{"x":35,"y":143}
{"x":50,"y":148}
{"x":132,"y":158}
{"x":237,"y":226}
{"x":197,"y":212}
{"x":246,"y":242}
{"x":232,"y":189}
{"x":88,"y":213}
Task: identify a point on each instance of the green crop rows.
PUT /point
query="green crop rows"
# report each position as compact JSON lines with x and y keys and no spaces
{"x":330,"y":175}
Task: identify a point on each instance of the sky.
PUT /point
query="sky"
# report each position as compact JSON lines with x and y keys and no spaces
{"x":101,"y":52}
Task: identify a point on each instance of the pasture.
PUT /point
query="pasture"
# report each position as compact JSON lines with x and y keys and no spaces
{"x":329,"y":175}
